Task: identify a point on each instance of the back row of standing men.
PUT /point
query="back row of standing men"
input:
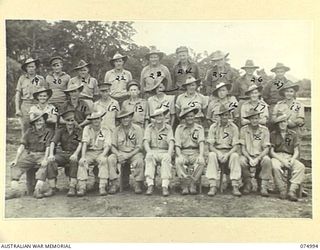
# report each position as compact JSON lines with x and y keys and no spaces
{"x":223,"y":92}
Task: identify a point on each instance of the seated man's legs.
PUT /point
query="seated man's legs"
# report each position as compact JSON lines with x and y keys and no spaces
{"x":245,"y":174}
{"x":265,"y":175}
{"x":165,"y":172}
{"x":235,"y":172}
{"x":150,"y":163}
{"x":212,"y":172}
{"x":137,"y":164}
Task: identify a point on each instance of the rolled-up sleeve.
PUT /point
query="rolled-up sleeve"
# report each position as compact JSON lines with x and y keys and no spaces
{"x":178,"y":137}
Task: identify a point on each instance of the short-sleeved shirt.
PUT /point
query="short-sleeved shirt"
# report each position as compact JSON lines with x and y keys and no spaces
{"x":140,"y":108}
{"x":119,"y":81}
{"x":127,"y":140}
{"x":214,"y":76}
{"x":27,"y":86}
{"x":270,"y":91}
{"x":167,"y":101}
{"x":96,"y":140}
{"x":149,"y":74}
{"x":255,"y":141}
{"x":223,"y":137}
{"x":197,"y":100}
{"x":188,"y":139}
{"x":69,"y":142}
{"x":37,"y":140}
{"x":49,"y":109}
{"x":242,"y":84}
{"x":293,"y":109}
{"x":261,"y":106}
{"x":58,"y":85}
{"x":181,"y":73}
{"x":158,"y":139}
{"x":215,"y":104}
{"x":286,"y":144}
{"x":82,"y":110}
{"x":90,"y":86}
{"x":112,"y":108}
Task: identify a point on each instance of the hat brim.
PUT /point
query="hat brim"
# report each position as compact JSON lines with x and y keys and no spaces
{"x":104,"y":86}
{"x":259,"y":88}
{"x":186,"y":84}
{"x":36,"y":61}
{"x":195,"y":110}
{"x":182,"y":50}
{"x":124,"y":58}
{"x":55,"y":58}
{"x":44,"y":115}
{"x":248,"y":116}
{"x":160,"y":54}
{"x":280,"y":119}
{"x":219,"y":58}
{"x":80,"y":88}
{"x":227,"y":85}
{"x":250,"y":67}
{"x":96,"y":117}
{"x":282,"y":67}
{"x":125,"y":115}
{"x":65,"y":114}
{"x":295,"y":87}
{"x":164,"y":81}
{"x":49,"y":92}
{"x":82,"y":66}
{"x":165,"y":112}
{"x":133,"y":84}
{"x":222,"y":112}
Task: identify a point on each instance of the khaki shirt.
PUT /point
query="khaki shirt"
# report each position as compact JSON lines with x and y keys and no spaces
{"x":37,"y":140}
{"x":214,"y":106}
{"x":27,"y":86}
{"x":180,"y":73}
{"x":58,"y":85}
{"x":140,"y":108}
{"x":112,"y":108}
{"x":149,"y":74}
{"x":167,"y":101}
{"x":260,"y":106}
{"x":158,"y":139}
{"x":96,"y":140}
{"x":270,"y":91}
{"x":286,"y":144}
{"x":293,"y":109}
{"x":223,"y":137}
{"x":255,"y":142}
{"x":242,"y":84}
{"x":49,"y":109}
{"x":119,"y":81}
{"x":197,"y":100}
{"x":82,"y":110}
{"x":90,"y":86}
{"x":188,"y":139}
{"x":127,"y":141}
{"x":69,"y":142}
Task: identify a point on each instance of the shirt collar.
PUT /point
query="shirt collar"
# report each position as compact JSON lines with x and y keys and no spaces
{"x":195,"y":94}
{"x":61,"y":73}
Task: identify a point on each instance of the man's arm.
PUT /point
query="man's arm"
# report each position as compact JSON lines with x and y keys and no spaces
{"x":18,"y":103}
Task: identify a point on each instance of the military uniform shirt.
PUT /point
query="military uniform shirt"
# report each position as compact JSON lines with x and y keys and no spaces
{"x":96,"y":140}
{"x":197,"y":100}
{"x":37,"y":140}
{"x":49,"y":109}
{"x":189,"y":138}
{"x":270,"y":92}
{"x":260,"y":106}
{"x":27,"y":86}
{"x":82,"y":110}
{"x":223,"y":137}
{"x":90,"y":86}
{"x":159,"y":139}
{"x":127,"y":141}
{"x":57,"y":85}
{"x":242,"y":84}
{"x":180,"y":74}
{"x":215,"y":103}
{"x":166,"y":102}
{"x":293,"y":109}
{"x":69,"y":142}
{"x":119,"y":81}
{"x":286,"y":144}
{"x":140,"y":108}
{"x":112,"y":108}
{"x":255,"y":142}
{"x":149,"y":74}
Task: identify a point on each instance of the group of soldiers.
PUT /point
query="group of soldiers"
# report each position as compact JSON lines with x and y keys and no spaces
{"x":174,"y":124}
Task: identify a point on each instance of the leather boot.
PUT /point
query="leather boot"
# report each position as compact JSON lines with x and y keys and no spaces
{"x":150,"y":190}
{"x":165,"y":191}
{"x":264,"y":188}
{"x":193,"y":188}
{"x":212,"y":191}
{"x":235,"y":191}
{"x":247,"y":187}
{"x":138,"y":187}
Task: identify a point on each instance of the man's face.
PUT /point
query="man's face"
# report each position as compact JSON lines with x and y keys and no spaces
{"x":283,"y":125}
{"x":96,"y":122}
{"x":190,"y":118}
{"x":118,"y":64}
{"x":222,"y":92}
{"x":74,"y":93}
{"x":31,"y":68}
{"x":159,"y":119}
{"x":126,"y":121}
{"x":39,"y":123}
{"x":134,"y":91}
{"x":254,"y":120}
{"x":57,"y":66}
{"x":249,"y":71}
{"x":183,"y":56}
{"x":83,"y":72}
{"x":289,"y":93}
{"x":43,"y":97}
{"x":192,"y":87}
{"x":254,"y":95}
{"x":160,"y":88}
{"x":224,"y":117}
{"x":70,"y":121}
{"x":280,"y":72}
{"x":219,"y":63}
{"x":154,"y":59}
{"x":105,"y":92}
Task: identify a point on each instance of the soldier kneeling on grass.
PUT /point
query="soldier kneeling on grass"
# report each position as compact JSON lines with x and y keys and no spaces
{"x":32,"y":152}
{"x":285,"y":153}
{"x":126,"y":148}
{"x":69,"y":137}
{"x":189,"y":146}
{"x":223,"y":142}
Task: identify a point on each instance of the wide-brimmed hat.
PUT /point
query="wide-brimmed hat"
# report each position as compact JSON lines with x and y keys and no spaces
{"x":154,"y":51}
{"x":185,"y":111}
{"x":104,"y":85}
{"x":189,"y":80}
{"x":117,"y":56}
{"x":73,"y":86}
{"x":280,"y":66}
{"x":220,"y":85}
{"x":124,"y":113}
{"x":133,"y":83}
{"x":36,"y":116}
{"x":81,"y":64}
{"x":218,"y":55}
{"x":42,"y":90}
{"x":156,"y":83}
{"x":251,"y":113}
{"x":160,"y":111}
{"x":289,"y":85}
{"x":68,"y":113}
{"x":96,"y":115}
{"x":280,"y":118}
{"x":222,"y":109}
{"x":54,"y":58}
{"x":28,"y":61}
{"x":182,"y":49}
{"x":253,"y":87}
{"x":249,"y":65}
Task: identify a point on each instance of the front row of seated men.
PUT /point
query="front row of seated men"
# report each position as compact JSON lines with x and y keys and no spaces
{"x":252,"y":149}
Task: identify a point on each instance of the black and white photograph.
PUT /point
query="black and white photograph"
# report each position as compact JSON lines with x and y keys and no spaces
{"x":158,"y":119}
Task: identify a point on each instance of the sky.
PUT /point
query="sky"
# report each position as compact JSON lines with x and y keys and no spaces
{"x":265,"y":42}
